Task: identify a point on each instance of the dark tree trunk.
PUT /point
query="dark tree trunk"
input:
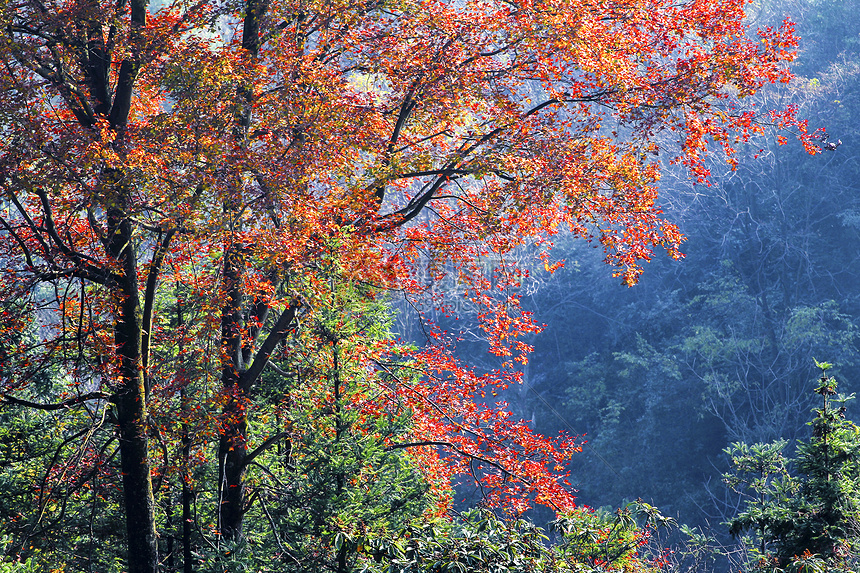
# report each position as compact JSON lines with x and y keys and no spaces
{"x":233,"y":446}
{"x":243,"y":364}
{"x":233,"y":450}
{"x":129,"y":331}
{"x":187,"y":563}
{"x":130,"y":399}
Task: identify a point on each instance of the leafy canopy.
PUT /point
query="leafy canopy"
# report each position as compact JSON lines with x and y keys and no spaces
{"x":177,"y":178}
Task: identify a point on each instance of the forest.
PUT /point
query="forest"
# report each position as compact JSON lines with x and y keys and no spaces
{"x":567,"y":286}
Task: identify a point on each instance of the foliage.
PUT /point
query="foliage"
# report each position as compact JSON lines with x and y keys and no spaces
{"x":629,"y":405}
{"x":722,"y":340}
{"x":480,"y":541}
{"x":341,"y":473}
{"x":583,"y":541}
{"x":807,"y":520}
{"x":191,"y":192}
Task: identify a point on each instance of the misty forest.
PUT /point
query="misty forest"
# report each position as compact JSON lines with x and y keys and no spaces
{"x":443,"y":286}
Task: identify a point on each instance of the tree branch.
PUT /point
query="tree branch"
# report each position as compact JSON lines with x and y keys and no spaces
{"x":279,"y":331}
{"x":270,"y":441}
{"x":128,"y":68}
{"x":149,"y":297}
{"x":7,"y":399}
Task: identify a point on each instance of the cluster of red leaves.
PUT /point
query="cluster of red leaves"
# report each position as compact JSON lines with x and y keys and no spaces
{"x":410,"y":135}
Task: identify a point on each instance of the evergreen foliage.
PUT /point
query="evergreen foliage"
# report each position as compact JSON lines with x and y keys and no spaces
{"x":480,"y":542}
{"x":808,"y":517}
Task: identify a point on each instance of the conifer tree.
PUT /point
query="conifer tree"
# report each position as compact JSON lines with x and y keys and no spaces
{"x":810,"y":519}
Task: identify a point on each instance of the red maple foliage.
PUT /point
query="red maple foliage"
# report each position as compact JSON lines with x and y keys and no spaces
{"x":218,"y":152}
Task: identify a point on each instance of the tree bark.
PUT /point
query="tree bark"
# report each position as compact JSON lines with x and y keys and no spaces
{"x":233,"y":444}
{"x":241,"y":369}
{"x":233,"y":450}
{"x":233,"y":447}
{"x":129,"y":397}
{"x":187,"y":563}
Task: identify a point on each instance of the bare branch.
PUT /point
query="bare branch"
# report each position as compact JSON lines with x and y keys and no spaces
{"x":272,"y":440}
{"x":7,"y":399}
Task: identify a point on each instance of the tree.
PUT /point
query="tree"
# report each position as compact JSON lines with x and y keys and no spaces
{"x":339,"y":473}
{"x":714,"y":349}
{"x":223,"y":149}
{"x":813,"y":516}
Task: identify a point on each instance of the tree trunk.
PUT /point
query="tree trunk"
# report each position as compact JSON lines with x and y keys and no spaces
{"x":187,"y":563}
{"x":233,"y":450}
{"x":130,"y":400}
{"x":233,"y":446}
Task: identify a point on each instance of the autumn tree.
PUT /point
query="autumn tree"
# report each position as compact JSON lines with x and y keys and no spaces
{"x":224,"y":150}
{"x":336,"y":469}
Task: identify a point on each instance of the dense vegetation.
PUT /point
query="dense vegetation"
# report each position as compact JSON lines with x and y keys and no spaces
{"x":719,"y":347}
{"x":812,"y":518}
{"x":253,"y":256}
